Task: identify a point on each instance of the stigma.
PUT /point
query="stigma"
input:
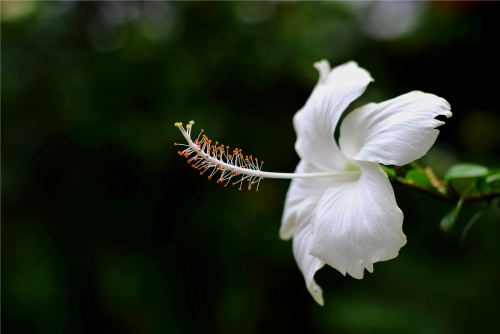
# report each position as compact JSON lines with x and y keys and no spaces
{"x":218,"y":161}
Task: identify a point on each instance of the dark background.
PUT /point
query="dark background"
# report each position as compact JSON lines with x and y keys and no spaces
{"x":106,"y":230}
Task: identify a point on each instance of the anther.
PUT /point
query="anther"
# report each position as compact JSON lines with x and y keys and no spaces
{"x":211,"y":156}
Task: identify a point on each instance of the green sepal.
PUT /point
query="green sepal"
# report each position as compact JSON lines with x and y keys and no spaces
{"x":391,"y":173}
{"x":419,"y":177}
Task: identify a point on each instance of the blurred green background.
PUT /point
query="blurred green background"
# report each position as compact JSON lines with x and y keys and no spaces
{"x":106,"y":230}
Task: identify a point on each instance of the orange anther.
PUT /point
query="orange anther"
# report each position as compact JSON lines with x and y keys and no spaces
{"x":209,"y":177}
{"x":175,"y":144}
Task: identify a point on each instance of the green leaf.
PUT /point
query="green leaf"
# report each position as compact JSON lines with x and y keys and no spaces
{"x":464,"y":171}
{"x":470,"y":224}
{"x":481,"y":186}
{"x":449,"y":220}
{"x":419,"y":177}
{"x":493,"y":177}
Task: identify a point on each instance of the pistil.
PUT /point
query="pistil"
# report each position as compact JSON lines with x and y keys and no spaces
{"x":205,"y":156}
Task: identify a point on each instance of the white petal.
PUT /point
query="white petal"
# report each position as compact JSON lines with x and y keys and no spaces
{"x":358,"y":223}
{"x":323,"y":68}
{"x":308,"y":264}
{"x":394,"y":132}
{"x":302,"y":198}
{"x":315,"y":123}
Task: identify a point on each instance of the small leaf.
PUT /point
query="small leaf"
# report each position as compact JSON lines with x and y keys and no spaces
{"x":470,"y":224}
{"x":465,"y":170}
{"x":492,"y":178}
{"x":481,"y":186}
{"x":419,"y":177}
{"x":449,"y":220}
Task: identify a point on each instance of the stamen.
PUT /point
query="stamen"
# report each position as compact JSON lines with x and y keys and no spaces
{"x":203,"y":156}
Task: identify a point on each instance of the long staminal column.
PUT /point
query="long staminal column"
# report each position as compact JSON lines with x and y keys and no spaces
{"x":208,"y":157}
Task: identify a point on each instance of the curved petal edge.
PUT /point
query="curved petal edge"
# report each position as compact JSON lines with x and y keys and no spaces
{"x":358,"y":223}
{"x":315,"y":123}
{"x":394,"y":132}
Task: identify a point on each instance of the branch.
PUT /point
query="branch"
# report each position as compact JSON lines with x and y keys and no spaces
{"x":452,"y":197}
{"x":434,"y":193}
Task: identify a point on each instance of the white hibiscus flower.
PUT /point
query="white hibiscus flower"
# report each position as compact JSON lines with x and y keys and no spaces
{"x":340,"y":208}
{"x":351,"y":224}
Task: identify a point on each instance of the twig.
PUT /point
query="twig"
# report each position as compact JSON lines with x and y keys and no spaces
{"x":450,"y":198}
